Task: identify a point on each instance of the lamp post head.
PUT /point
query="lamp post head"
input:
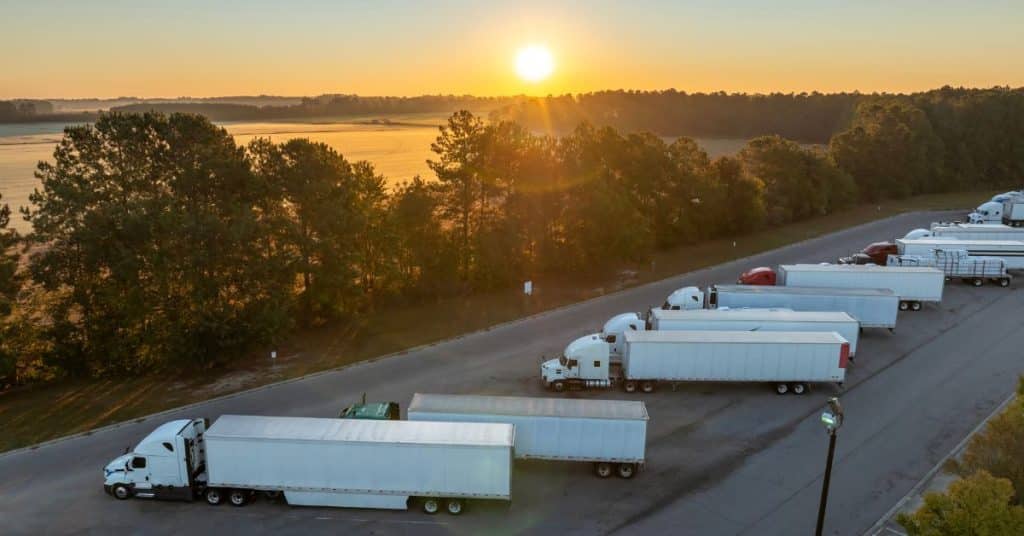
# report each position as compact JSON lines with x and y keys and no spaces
{"x":832,"y":418}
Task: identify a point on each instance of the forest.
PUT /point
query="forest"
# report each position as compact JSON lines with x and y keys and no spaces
{"x":158,"y":243}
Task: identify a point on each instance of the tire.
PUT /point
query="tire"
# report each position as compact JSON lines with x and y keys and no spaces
{"x":431,"y":505}
{"x":1004,"y":282}
{"x":625,"y":470}
{"x":781,"y":388}
{"x":453,"y":506}
{"x":647,"y":387}
{"x":904,"y":306}
{"x":238,"y":497}
{"x":798,"y":388}
{"x":915,"y":306}
{"x":977,"y":282}
{"x":121,"y":492}
{"x":629,"y":386}
{"x":603,"y":469}
{"x":214,"y":496}
{"x":558,"y":386}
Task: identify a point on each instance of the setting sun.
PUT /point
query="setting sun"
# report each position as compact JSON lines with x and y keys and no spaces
{"x":534,"y":63}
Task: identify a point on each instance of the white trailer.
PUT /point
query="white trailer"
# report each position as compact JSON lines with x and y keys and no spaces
{"x":873,"y":308}
{"x":973,"y":231}
{"x":957,"y":264}
{"x":1011,"y":251}
{"x":611,"y":434}
{"x":913,"y":285}
{"x":790,"y":360}
{"x":757,"y":320}
{"x":330,"y":462}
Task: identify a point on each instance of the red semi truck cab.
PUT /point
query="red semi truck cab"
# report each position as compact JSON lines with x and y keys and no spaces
{"x":880,"y":251}
{"x":762,"y":275}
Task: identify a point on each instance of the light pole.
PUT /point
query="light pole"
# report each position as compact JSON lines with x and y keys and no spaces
{"x":832,"y":418}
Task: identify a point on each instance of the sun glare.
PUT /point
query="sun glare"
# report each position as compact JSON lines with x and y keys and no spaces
{"x":534,"y":63}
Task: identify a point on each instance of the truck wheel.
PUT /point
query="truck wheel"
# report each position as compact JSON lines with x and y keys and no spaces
{"x":915,"y":306}
{"x":977,"y":281}
{"x":238,"y":497}
{"x":1004,"y":282}
{"x":625,"y":470}
{"x":454,"y":506}
{"x":904,"y":306}
{"x":647,"y":387}
{"x":214,"y":496}
{"x":559,"y":386}
{"x":431,"y":505}
{"x":781,"y":388}
{"x":629,"y":386}
{"x":799,"y":388}
{"x":603,"y":469}
{"x":121,"y":492}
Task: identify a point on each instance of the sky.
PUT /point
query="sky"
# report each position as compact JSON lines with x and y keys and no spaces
{"x":156,"y":48}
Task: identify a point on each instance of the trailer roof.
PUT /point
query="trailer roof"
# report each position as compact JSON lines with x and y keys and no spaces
{"x":749,"y":314}
{"x":361,"y":431}
{"x":832,"y":291}
{"x":960,"y":241}
{"x":855,"y":268}
{"x":529,"y":406}
{"x":752,"y":337}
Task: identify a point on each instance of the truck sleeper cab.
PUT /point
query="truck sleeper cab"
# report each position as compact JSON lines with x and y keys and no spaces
{"x":169,"y":463}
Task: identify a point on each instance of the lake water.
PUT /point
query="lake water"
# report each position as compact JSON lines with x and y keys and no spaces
{"x":398,"y":151}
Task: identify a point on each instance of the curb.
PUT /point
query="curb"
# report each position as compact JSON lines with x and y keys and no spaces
{"x":876,"y":529}
{"x":406,"y":351}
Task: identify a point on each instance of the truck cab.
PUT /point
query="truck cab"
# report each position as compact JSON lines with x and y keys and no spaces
{"x":585,"y":363}
{"x":374,"y":411}
{"x":684,"y":299}
{"x":762,"y":275}
{"x":874,"y":253}
{"x":988,"y":212}
{"x":615,"y":328}
{"x":169,"y":463}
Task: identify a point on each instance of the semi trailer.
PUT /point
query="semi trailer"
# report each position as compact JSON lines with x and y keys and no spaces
{"x":968,"y":231}
{"x":319,"y":462}
{"x":778,"y":319}
{"x":914,"y":285}
{"x":610,"y":434}
{"x":957,"y":264}
{"x":789,"y":360}
{"x":873,"y":308}
{"x":1011,"y":251}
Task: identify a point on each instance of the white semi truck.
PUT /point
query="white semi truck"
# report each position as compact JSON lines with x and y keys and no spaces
{"x":610,"y":434}
{"x":1011,"y":251}
{"x":730,"y":320}
{"x":873,"y":308}
{"x":992,"y":211}
{"x":319,"y":462}
{"x":789,"y":360}
{"x":913,"y":284}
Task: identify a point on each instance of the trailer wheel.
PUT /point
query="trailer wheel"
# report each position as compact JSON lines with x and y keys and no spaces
{"x":1004,"y":282}
{"x":904,"y":306}
{"x":977,"y":281}
{"x":121,"y":492}
{"x":625,"y":470}
{"x":799,"y":388}
{"x":214,"y":496}
{"x":603,"y":469}
{"x":629,"y":386}
{"x":781,"y":388}
{"x":915,"y":306}
{"x":558,"y":386}
{"x":431,"y":505}
{"x":647,"y":387}
{"x":454,"y":506}
{"x":238,"y":497}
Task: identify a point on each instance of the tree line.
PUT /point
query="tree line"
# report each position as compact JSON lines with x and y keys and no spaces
{"x":160,"y":243}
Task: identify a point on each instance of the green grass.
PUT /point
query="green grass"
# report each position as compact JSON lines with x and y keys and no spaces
{"x":31,"y":415}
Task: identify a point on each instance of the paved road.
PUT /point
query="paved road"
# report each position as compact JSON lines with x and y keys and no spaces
{"x":722,"y":459}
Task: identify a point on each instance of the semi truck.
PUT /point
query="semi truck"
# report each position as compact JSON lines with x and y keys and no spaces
{"x":991,"y":211}
{"x":789,"y":360}
{"x":319,"y":462}
{"x":1011,"y":251}
{"x":957,"y":264}
{"x":610,"y":434}
{"x":873,"y":308}
{"x":914,"y":285}
{"x":779,"y":319}
{"x":873,"y":253}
